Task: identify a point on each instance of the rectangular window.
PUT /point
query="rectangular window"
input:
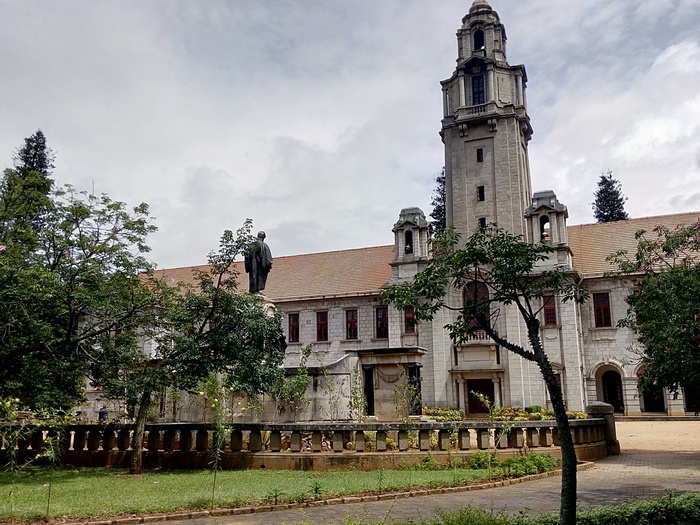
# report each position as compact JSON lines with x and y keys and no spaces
{"x":480,"y":155}
{"x":381,"y":322}
{"x":549,"y":310}
{"x":601,"y":309}
{"x":293,"y":332}
{"x":478,"y":91}
{"x":350,"y":324}
{"x":480,"y":193}
{"x":321,"y":326}
{"x":482,"y":222}
{"x":409,"y":323}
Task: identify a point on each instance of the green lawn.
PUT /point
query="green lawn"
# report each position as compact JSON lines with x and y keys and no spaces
{"x":102,"y":492}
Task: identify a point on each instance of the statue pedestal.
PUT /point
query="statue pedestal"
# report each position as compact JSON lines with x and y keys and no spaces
{"x":270,"y":307}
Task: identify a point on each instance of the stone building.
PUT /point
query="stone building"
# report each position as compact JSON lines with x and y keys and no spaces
{"x":332,"y":300}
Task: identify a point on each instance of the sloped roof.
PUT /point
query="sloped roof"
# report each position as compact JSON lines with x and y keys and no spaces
{"x":592,"y":243}
{"x":367,"y":270}
{"x":328,"y":274}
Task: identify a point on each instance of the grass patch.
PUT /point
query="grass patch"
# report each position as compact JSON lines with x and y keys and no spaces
{"x":671,"y":509}
{"x":95,"y":492}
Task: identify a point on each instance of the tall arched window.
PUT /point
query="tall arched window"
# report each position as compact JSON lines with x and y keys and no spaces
{"x":478,"y":39}
{"x":475,"y":297}
{"x":478,"y":90}
{"x":408,"y":244}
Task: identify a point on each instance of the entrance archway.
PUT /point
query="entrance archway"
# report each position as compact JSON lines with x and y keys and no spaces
{"x":610,"y":388}
{"x":483,"y":387}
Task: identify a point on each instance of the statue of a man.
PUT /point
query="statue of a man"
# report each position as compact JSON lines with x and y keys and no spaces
{"x":258,"y":261}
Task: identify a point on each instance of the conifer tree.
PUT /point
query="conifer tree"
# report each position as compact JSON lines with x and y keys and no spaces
{"x":609,"y":202}
{"x":439,"y":213}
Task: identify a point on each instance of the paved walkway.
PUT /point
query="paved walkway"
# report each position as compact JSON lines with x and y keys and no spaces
{"x":657,"y":456}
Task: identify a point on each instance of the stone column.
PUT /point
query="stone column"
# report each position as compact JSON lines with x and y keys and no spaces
{"x":496,"y":392}
{"x":598,"y":409}
{"x":445,"y":104}
{"x":458,"y":393}
{"x":462,"y":91}
{"x":492,"y":85}
{"x":519,"y":89}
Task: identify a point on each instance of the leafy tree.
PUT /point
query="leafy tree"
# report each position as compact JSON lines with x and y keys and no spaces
{"x":664,"y":307}
{"x":439,"y":213}
{"x":507,"y":266}
{"x":78,"y":281}
{"x":199,"y":329}
{"x":609,"y":202}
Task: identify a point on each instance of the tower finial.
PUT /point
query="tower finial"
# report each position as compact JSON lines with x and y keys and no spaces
{"x":480,"y":4}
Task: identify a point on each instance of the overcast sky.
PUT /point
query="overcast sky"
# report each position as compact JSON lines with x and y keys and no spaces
{"x":319,"y":119}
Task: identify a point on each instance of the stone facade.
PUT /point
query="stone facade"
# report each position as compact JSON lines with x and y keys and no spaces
{"x":485,"y":130}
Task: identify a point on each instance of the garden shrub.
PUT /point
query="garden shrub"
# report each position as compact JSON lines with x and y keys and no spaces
{"x":443,"y":414}
{"x":482,"y":460}
{"x":530,"y":464}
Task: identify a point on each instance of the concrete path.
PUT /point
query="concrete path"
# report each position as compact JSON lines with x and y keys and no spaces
{"x":657,"y":456}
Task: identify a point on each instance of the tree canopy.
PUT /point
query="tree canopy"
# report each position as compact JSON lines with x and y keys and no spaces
{"x":609,"y":204}
{"x":494,"y":269}
{"x":664,"y":307}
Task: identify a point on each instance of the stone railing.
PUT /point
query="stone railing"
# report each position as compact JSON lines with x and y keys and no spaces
{"x":190,"y":444}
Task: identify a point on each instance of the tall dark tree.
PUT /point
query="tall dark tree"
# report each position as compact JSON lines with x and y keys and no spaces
{"x":439,"y":213}
{"x":496,"y":269}
{"x":24,"y":192}
{"x":609,"y":204}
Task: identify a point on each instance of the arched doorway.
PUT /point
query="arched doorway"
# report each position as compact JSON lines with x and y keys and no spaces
{"x":610,"y":389}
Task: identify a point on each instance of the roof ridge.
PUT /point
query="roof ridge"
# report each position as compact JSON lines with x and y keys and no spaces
{"x":281,"y":257}
{"x":636,"y":219}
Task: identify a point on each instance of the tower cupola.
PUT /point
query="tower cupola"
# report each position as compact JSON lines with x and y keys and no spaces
{"x":411,"y":233}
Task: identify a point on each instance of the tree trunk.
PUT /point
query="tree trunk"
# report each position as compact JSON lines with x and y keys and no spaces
{"x":136,"y":464}
{"x":567,"y":509}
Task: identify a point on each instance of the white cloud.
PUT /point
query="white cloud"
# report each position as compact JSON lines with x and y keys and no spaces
{"x":319,"y":119}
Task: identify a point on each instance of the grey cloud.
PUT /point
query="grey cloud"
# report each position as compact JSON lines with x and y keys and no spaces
{"x":319,"y":119}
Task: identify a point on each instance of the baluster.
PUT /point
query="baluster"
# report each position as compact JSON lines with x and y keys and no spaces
{"x":463,"y":439}
{"x":295,"y":441}
{"x":359,"y":441}
{"x":444,"y":439}
{"x":424,"y":439}
{"x":403,"y":440}
{"x":276,"y":441}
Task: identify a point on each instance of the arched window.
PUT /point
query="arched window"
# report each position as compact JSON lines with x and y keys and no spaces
{"x":545,"y":229}
{"x":478,"y":39}
{"x":475,"y":297}
{"x":408,"y":244}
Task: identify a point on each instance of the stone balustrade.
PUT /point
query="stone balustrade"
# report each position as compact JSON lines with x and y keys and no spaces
{"x":190,"y":445}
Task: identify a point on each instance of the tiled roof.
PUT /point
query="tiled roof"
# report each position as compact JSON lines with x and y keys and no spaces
{"x":592,"y":243}
{"x":327,"y":274}
{"x":367,"y":270}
